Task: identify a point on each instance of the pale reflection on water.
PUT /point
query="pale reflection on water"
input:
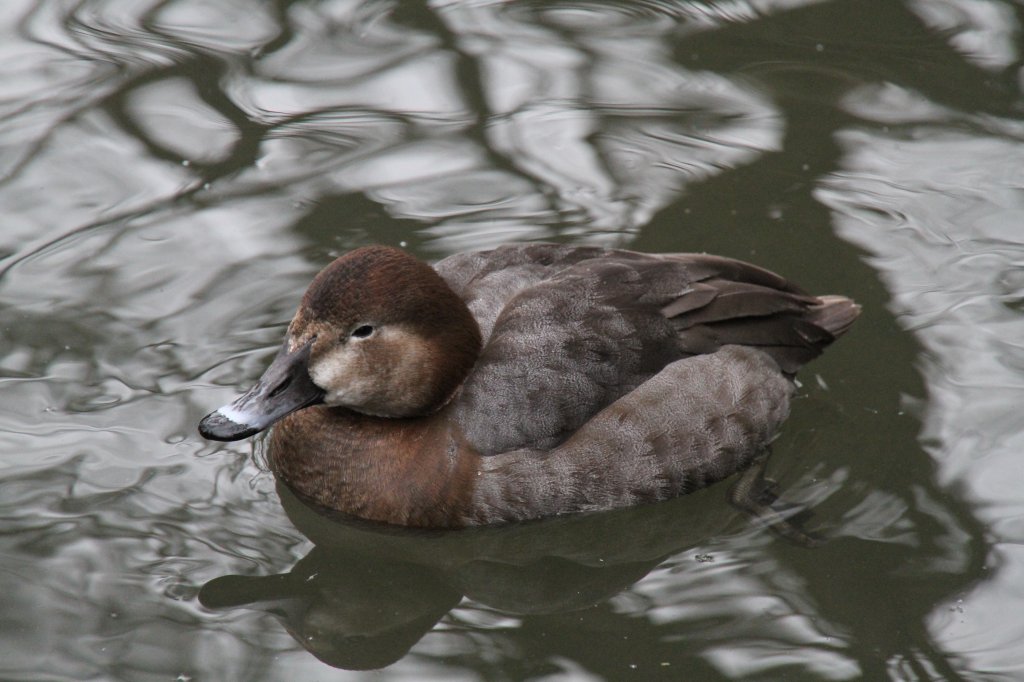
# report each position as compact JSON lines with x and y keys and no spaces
{"x":172,"y":174}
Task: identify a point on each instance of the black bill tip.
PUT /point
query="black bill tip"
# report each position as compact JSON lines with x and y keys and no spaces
{"x":216,"y":426}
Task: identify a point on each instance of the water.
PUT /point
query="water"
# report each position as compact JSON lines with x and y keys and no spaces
{"x":173,"y":173}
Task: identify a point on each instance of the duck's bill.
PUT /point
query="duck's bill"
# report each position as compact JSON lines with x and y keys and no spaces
{"x":284,"y":388}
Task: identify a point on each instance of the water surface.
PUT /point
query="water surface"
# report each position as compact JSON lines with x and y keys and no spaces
{"x":174,"y":172}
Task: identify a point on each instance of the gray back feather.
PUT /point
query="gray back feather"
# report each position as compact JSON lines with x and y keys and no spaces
{"x":569,"y":330}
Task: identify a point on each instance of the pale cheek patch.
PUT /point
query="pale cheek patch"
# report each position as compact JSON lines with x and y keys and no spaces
{"x":391,"y":374}
{"x":337,"y":373}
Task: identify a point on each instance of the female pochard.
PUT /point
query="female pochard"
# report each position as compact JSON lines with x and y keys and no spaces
{"x":528,"y":381}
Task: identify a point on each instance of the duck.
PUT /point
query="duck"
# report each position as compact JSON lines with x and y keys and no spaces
{"x":528,"y":381}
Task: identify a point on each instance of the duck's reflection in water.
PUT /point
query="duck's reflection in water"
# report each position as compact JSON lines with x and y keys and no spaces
{"x":366,"y":593}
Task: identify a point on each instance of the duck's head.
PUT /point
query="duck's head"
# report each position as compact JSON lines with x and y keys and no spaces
{"x":378,"y":332}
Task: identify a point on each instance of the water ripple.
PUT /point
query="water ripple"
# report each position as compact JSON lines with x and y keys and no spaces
{"x":173,"y":172}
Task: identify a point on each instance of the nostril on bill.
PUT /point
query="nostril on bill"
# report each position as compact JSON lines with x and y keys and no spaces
{"x":281,"y":386}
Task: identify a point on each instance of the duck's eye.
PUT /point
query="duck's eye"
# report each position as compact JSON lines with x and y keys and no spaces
{"x":362,"y":332}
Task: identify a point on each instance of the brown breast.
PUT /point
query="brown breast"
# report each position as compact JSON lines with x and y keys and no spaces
{"x":413,"y":472}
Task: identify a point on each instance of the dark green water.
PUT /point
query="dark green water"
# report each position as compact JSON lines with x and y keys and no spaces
{"x":172,"y":173}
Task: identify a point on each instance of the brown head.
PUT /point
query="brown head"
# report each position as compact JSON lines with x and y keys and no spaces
{"x":378,"y":332}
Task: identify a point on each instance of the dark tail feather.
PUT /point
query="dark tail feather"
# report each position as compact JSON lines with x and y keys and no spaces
{"x":834,"y":314}
{"x":792,"y":337}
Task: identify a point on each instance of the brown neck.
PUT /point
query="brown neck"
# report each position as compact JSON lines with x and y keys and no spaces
{"x":412,"y":472}
{"x":452,"y":331}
